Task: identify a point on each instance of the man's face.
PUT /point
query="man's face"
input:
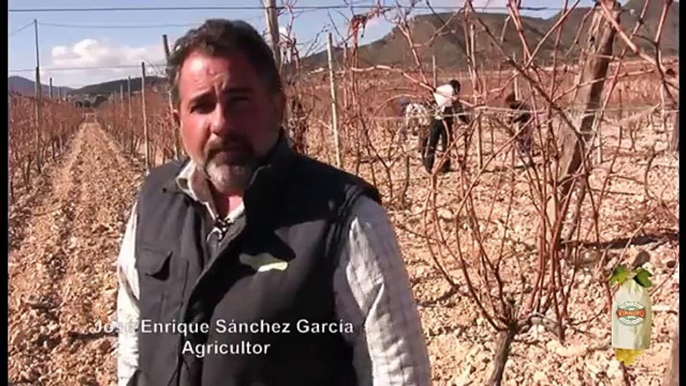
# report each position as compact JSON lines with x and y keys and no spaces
{"x":227,"y":116}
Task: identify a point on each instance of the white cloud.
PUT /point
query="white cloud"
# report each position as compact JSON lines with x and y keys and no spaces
{"x":104,"y":60}
{"x":373,"y":22}
{"x":489,"y":3}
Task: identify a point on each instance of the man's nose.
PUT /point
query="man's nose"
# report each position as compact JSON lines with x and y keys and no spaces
{"x":219,"y":123}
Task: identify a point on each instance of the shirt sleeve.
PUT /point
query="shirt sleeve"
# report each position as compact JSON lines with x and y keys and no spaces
{"x":128,"y":313}
{"x":443,"y":96}
{"x":373,"y":292}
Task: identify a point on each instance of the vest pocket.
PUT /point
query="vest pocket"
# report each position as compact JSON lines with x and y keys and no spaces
{"x":162,"y":278}
{"x":162,"y":281}
{"x":154,"y":263}
{"x":154,"y":266}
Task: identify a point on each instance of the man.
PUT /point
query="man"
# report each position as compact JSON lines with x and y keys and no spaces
{"x":416,"y":119}
{"x":249,"y":264}
{"x":523,"y":126}
{"x":448,"y":105}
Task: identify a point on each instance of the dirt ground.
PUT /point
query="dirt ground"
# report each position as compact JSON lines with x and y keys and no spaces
{"x":632,"y":219}
{"x":62,"y":272}
{"x":65,"y":238}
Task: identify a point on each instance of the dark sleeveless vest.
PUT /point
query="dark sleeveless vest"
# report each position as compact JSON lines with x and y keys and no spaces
{"x":296,"y":210}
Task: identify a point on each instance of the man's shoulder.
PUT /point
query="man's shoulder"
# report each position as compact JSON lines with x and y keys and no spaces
{"x":172,"y":167}
{"x":316,"y":173}
{"x":307,"y":164}
{"x":162,"y":175}
{"x":445,"y":89}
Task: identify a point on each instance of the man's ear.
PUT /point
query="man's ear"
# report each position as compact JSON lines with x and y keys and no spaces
{"x":176,"y":117}
{"x":280,"y":105}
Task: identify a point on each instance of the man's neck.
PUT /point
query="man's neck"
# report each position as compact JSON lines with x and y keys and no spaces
{"x":226,"y":203}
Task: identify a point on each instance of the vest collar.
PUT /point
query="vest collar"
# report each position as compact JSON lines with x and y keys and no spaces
{"x":182,"y":181}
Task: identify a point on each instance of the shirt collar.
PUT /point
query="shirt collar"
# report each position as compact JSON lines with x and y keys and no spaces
{"x":193,"y":182}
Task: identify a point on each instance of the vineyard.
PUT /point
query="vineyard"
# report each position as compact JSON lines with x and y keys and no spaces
{"x":509,"y":257}
{"x":32,"y":144}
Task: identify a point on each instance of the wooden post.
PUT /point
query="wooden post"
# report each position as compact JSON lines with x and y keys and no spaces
{"x":35,"y":26}
{"x":145,"y":121}
{"x":476,"y":93}
{"x":39,"y":99}
{"x":594,"y":62}
{"x":599,"y":143}
{"x":433,"y":70}
{"x":515,"y":85}
{"x":129,"y":125}
{"x":177,"y":144}
{"x":516,"y":82}
{"x":53,"y":149}
{"x":674,"y":142}
{"x":334,"y":113}
{"x":663,"y":112}
{"x":128,"y":92}
{"x":273,"y":28}
{"x":39,"y":122}
{"x":165,"y":46}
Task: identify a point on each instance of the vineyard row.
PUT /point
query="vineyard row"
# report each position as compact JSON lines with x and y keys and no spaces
{"x":39,"y":131}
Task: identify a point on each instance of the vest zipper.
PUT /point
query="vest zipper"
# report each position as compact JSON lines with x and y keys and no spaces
{"x":217,"y":235}
{"x":223,"y":227}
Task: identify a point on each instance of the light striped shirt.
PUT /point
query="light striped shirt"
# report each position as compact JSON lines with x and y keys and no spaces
{"x":371,"y":288}
{"x":444,"y":97}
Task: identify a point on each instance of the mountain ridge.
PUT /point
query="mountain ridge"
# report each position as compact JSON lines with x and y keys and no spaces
{"x":448,"y":45}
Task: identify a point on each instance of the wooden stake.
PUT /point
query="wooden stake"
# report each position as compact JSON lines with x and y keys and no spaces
{"x":476,"y":93}
{"x":177,"y":144}
{"x":145,"y":121}
{"x":593,"y":73}
{"x":273,"y":28}
{"x":39,"y":122}
{"x":334,"y":113}
{"x":39,"y":100}
{"x":433,"y":70}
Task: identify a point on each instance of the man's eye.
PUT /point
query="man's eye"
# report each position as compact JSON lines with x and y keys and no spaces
{"x":202,"y":108}
{"x":239,"y":100}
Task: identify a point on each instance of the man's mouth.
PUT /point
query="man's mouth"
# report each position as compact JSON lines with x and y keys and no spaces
{"x":232,"y":154}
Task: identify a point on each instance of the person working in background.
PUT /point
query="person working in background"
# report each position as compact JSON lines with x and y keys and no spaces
{"x":522,"y":120}
{"x":298,"y":256}
{"x":416,"y":120}
{"x":448,"y":106}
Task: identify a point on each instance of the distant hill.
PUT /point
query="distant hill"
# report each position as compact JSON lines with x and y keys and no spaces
{"x":448,"y":44}
{"x":116,"y":86}
{"x":27,"y":87}
{"x":632,"y":10}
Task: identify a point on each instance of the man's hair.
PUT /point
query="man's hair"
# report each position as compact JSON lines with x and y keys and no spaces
{"x":455,"y":85}
{"x":219,"y":37}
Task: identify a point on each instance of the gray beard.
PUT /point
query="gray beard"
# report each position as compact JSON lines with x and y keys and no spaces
{"x":229,"y":178}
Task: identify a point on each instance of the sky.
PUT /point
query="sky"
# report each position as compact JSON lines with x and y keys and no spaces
{"x":81,"y":48}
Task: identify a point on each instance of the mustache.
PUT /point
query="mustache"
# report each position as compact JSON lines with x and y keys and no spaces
{"x":217,"y":145}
